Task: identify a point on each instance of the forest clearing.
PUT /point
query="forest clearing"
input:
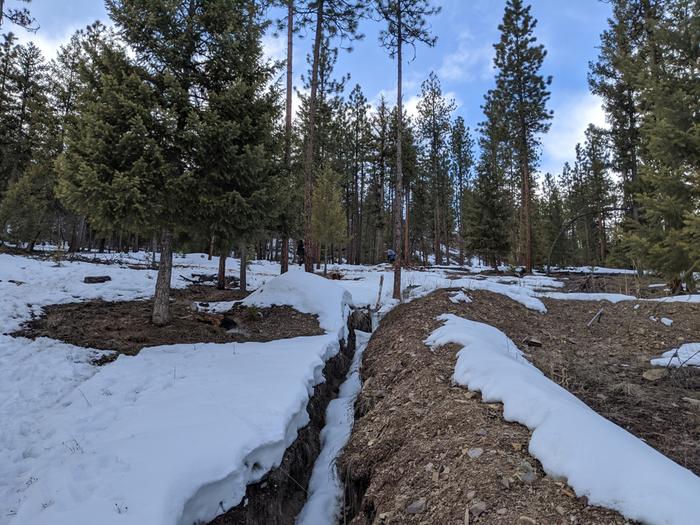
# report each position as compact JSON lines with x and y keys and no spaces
{"x":344,"y":262}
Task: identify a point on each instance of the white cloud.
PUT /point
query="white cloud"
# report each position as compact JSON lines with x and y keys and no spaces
{"x":571,"y":118}
{"x":274,"y":48}
{"x":47,"y":43}
{"x":468,"y":62}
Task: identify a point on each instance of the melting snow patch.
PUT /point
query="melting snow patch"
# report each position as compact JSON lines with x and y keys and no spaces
{"x":598,"y":459}
{"x":686,"y":355}
{"x":460,"y":297}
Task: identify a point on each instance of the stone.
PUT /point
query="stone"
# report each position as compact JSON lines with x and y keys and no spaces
{"x":526,"y":519}
{"x":654,"y":374}
{"x":560,"y":510}
{"x":532,"y":341}
{"x":692,"y":401}
{"x":417,"y":506}
{"x":475,"y":452}
{"x":471,"y":495}
{"x":477,"y":508}
{"x":501,"y":511}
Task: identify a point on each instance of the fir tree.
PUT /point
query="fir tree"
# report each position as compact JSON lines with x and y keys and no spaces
{"x":328,"y":219}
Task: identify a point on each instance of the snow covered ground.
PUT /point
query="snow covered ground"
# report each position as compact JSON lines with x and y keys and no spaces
{"x":166,"y":435}
{"x":600,"y":460}
{"x":172,"y":435}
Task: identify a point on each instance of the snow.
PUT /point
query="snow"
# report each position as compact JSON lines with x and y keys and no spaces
{"x":598,"y":459}
{"x":581,"y":296}
{"x":666,"y":321}
{"x":157,"y":438}
{"x":307,"y":293}
{"x":686,"y":355}
{"x":325,"y":487}
{"x":594,"y":269}
{"x":460,"y":297}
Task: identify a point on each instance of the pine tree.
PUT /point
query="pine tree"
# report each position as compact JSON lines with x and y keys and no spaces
{"x":328,"y":220}
{"x":17,"y":15}
{"x":333,"y":18}
{"x":614,"y":77}
{"x":433,"y":123}
{"x":462,"y":162}
{"x":525,"y":92}
{"x":490,"y":212}
{"x":406,"y":24}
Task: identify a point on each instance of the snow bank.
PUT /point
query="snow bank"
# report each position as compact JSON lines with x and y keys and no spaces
{"x":598,"y":459}
{"x":686,"y":355}
{"x":325,"y":488}
{"x":307,"y":293}
{"x":172,"y":435}
{"x":584,"y":296}
{"x":163,"y":437}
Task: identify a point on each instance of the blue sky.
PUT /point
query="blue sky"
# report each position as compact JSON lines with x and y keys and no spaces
{"x":466,"y":31}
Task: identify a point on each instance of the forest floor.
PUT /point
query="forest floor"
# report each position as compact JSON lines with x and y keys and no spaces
{"x":125,"y":328}
{"x":424,"y":450}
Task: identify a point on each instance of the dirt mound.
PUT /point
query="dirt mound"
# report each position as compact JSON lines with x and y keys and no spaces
{"x":126,"y":327}
{"x":425,"y":451}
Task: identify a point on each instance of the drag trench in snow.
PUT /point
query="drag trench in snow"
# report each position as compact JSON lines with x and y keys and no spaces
{"x":323,"y":506}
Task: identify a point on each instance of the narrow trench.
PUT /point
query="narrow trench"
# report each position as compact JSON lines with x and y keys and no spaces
{"x":280,"y":496}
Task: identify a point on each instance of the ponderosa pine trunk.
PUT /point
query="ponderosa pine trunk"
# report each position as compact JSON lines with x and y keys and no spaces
{"x":398,"y":192}
{"x":311,"y":139}
{"x":161,"y":301}
{"x":221,"y":274}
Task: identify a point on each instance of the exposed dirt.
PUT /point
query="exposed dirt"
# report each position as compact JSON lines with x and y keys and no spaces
{"x":126,"y":327}
{"x":410,"y":448}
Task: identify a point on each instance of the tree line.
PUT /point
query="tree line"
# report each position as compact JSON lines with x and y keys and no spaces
{"x":174,"y":131}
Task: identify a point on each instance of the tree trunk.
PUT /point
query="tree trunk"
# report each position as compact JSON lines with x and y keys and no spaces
{"x":210,"y":255}
{"x":311,"y":139}
{"x":221,"y":275}
{"x":161,"y":301}
{"x":398,"y":193}
{"x":285,"y":255}
{"x":406,"y":231}
{"x":290,"y":72}
{"x":244,"y":267}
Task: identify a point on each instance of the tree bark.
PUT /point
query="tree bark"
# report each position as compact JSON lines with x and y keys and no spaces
{"x":161,"y":301}
{"x":311,"y":138}
{"x":398,"y":192}
{"x":244,"y":267}
{"x":221,"y":275}
{"x":290,"y":72}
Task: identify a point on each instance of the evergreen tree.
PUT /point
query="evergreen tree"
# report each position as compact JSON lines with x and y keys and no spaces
{"x":332,"y":18}
{"x":406,"y":24}
{"x":614,"y":77}
{"x":489,"y":215}
{"x":462,"y":162}
{"x":328,"y":219}
{"x":433,"y":123}
{"x":669,"y":194}
{"x":525,"y":93}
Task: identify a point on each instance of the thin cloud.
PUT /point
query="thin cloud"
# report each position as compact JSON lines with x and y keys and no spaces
{"x":571,"y":118}
{"x":468,"y":62}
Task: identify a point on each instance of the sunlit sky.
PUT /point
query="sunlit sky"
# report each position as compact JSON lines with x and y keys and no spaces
{"x":466,"y":31}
